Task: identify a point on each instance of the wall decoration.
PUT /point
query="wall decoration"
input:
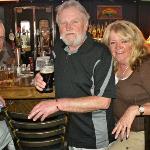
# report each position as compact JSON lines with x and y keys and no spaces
{"x":109,"y":12}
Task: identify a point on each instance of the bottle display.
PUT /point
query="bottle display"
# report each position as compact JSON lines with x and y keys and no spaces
{"x":97,"y":30}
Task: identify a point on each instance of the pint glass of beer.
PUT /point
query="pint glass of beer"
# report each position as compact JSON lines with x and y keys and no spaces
{"x":47,"y":72}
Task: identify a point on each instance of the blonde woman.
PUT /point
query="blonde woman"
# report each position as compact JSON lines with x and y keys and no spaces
{"x":132,"y":74}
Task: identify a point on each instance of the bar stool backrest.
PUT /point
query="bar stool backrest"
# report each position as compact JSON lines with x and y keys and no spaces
{"x":29,"y":134}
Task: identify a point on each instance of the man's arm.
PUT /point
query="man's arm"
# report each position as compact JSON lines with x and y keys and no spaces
{"x":79,"y":105}
{"x":83,"y":104}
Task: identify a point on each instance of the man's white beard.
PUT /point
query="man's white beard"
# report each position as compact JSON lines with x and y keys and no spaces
{"x":76,"y":42}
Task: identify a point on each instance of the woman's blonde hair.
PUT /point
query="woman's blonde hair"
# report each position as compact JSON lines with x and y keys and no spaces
{"x":68,"y":4}
{"x":128,"y":31}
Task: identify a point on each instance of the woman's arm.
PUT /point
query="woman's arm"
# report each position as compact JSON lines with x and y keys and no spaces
{"x":123,"y":126}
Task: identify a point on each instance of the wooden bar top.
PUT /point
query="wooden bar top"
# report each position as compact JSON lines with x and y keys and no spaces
{"x":24,"y":92}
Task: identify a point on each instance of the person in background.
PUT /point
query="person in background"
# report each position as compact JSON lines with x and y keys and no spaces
{"x":5,"y":137}
{"x":7,"y":57}
{"x":84,"y":82}
{"x":132,"y":70}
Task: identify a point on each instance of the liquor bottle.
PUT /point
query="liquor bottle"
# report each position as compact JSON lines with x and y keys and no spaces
{"x":18,"y":60}
{"x":12,"y":39}
{"x":31,"y":64}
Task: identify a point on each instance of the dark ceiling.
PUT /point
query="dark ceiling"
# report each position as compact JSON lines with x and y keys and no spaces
{"x":60,"y":1}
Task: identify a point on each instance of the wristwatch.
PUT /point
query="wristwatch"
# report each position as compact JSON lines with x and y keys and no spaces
{"x":141,"y":109}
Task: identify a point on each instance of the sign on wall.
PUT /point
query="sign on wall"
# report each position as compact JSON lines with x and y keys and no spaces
{"x":109,"y":12}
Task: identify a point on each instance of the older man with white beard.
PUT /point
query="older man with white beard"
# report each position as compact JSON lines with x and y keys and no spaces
{"x":84,"y":82}
{"x":7,"y":57}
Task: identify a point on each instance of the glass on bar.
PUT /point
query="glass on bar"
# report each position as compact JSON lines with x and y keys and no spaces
{"x":7,"y":76}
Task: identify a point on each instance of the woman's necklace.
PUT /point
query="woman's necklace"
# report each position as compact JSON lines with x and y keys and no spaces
{"x":122,"y":75}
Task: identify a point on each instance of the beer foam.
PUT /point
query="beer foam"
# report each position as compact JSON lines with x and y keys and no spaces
{"x":47,"y":69}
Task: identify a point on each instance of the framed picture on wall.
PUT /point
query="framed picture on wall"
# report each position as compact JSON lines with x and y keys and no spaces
{"x":109,"y":12}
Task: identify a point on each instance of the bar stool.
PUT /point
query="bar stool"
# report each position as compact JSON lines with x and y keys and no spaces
{"x":27,"y":134}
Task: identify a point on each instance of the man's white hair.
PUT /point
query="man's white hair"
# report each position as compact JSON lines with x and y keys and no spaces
{"x":68,"y":4}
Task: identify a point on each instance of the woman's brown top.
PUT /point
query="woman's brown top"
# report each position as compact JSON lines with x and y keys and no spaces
{"x":135,"y":90}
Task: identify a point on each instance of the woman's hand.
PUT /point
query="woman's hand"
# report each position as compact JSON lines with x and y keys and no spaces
{"x":123,"y":126}
{"x":38,"y":82}
{"x":43,"y":109}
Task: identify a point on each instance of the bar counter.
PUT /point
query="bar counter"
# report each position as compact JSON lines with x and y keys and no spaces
{"x":23,"y":92}
{"x":47,"y":134}
{"x":21,"y":99}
